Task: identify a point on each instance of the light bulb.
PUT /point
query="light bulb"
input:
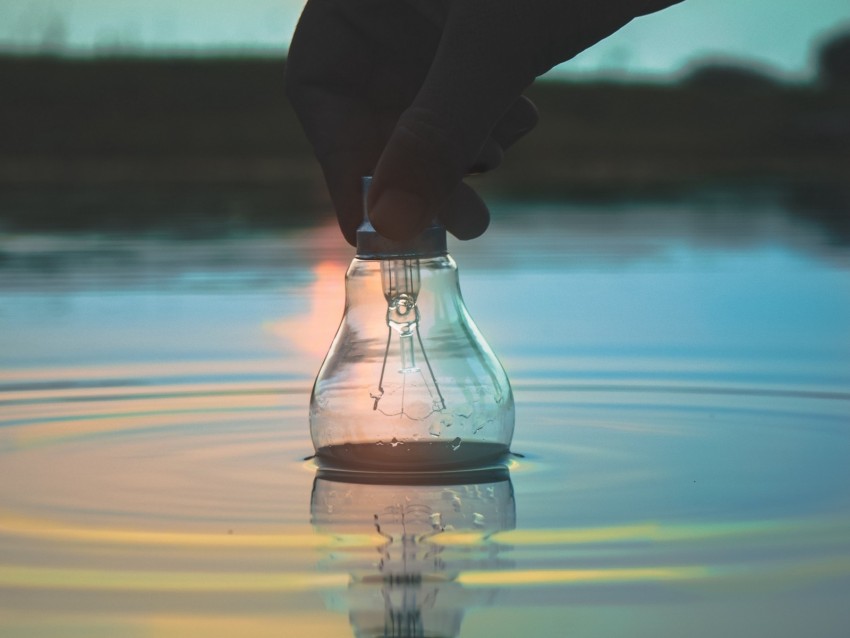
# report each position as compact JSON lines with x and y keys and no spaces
{"x":409,"y":382}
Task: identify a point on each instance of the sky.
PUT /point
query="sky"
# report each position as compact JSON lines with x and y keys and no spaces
{"x":775,"y":35}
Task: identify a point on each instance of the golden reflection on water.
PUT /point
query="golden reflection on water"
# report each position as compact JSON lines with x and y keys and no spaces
{"x":540,"y":577}
{"x":19,"y":526}
{"x":625,"y":535}
{"x":179,"y":625}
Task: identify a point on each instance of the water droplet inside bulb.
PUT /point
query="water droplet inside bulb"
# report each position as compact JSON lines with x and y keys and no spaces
{"x":456,"y":503}
{"x":478,"y":519}
{"x":456,"y":444}
{"x":481,"y":426}
{"x":436,"y":520}
{"x":464,"y":411}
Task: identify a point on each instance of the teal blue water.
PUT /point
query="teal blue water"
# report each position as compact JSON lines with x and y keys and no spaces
{"x":682,"y":383}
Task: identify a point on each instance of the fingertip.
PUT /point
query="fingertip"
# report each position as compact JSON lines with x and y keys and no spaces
{"x":464,"y":214}
{"x":489,"y":157}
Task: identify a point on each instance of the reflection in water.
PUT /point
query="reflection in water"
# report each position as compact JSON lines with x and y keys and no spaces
{"x":409,"y":587}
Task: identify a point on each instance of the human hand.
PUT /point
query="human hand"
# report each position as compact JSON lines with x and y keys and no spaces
{"x":419,"y":93}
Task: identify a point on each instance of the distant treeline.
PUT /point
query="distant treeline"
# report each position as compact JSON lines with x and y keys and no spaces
{"x":204,"y":129}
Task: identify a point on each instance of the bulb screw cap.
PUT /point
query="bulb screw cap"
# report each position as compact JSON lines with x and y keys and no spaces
{"x":431,"y":242}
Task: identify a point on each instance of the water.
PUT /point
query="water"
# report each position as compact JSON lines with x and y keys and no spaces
{"x":682,"y":382}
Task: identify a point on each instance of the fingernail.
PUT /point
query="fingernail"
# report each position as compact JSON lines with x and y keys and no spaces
{"x":399,"y":215}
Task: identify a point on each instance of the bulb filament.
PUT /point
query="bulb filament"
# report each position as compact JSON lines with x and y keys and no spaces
{"x":400,"y":282}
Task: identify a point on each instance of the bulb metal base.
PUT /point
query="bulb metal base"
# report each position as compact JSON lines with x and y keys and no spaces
{"x":431,"y":242}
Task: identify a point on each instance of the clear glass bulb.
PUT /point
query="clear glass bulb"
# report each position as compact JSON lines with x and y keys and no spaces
{"x":409,"y":382}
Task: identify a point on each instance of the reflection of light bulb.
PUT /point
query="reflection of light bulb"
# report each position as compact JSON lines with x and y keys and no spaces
{"x":407,"y":586}
{"x":409,"y":382}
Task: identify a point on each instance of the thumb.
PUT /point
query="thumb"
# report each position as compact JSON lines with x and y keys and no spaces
{"x":481,"y":67}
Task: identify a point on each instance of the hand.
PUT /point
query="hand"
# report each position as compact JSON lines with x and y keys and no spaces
{"x":420,"y":93}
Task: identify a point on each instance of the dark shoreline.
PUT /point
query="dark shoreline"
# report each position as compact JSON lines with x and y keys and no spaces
{"x":85,"y":143}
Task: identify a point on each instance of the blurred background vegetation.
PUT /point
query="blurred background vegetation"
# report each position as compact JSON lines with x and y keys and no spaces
{"x":210,"y":144}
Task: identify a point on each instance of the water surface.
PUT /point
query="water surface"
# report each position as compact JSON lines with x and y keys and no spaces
{"x":682,"y":380}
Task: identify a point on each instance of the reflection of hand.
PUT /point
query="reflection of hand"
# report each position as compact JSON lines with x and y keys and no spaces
{"x":422,"y":92}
